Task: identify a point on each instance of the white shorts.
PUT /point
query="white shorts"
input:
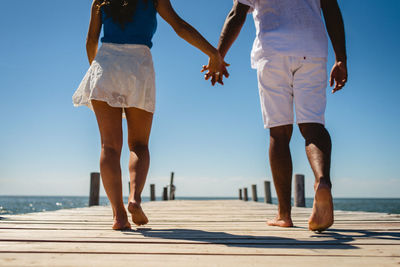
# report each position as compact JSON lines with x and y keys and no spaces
{"x":121,"y":75}
{"x":287,"y":80}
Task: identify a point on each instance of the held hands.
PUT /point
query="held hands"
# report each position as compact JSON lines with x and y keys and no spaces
{"x":338,"y":75}
{"x":216,"y":69}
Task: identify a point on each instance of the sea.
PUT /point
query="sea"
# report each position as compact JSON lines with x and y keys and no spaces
{"x":28,"y":204}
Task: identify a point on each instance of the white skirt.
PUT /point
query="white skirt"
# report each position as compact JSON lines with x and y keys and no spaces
{"x":121,"y":75}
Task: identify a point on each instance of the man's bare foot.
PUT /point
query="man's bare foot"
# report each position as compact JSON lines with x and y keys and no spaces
{"x":322,"y":214}
{"x":138,"y":216}
{"x":281,"y":222}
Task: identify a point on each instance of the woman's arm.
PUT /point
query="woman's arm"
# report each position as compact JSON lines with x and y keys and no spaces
{"x":192,"y":36}
{"x":92,"y":39}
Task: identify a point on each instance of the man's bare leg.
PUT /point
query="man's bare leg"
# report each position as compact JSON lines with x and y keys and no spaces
{"x":281,"y":167}
{"x":139,"y":127}
{"x":318,"y":149}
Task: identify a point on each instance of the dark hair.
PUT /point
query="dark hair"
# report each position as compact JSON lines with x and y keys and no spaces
{"x":121,"y":11}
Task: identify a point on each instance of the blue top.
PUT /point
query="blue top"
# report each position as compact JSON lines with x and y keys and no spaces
{"x":139,"y":31}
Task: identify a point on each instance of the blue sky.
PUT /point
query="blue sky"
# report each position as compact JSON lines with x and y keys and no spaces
{"x":212,"y":137}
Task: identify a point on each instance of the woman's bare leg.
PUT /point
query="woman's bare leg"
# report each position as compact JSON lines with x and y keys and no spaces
{"x":139,"y":127}
{"x":109,"y":120}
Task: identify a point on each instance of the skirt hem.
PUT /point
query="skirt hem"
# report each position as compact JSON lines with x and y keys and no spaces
{"x":89,"y":105}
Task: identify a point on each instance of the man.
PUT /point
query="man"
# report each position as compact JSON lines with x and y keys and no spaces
{"x":289,"y":53}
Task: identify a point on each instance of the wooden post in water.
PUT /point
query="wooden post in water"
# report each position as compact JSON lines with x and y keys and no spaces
{"x":254,"y":192}
{"x":240,"y":194}
{"x":172,"y":188}
{"x":299,"y":199}
{"x":152,"y":192}
{"x":245,"y":198}
{"x":94,"y":189}
{"x":267,"y":190}
{"x":165,"y":194}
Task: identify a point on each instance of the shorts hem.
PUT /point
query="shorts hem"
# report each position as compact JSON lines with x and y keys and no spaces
{"x":272,"y":125}
{"x":310,"y":121}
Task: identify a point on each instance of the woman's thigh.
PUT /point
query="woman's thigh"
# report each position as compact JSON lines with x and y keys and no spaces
{"x":109,"y":120}
{"x":139,"y":126}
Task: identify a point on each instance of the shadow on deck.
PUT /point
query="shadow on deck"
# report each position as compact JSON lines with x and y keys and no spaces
{"x":330,"y":239}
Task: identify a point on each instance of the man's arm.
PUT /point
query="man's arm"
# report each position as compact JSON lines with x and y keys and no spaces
{"x":230,"y":31}
{"x":335,"y":27}
{"x":232,"y":27}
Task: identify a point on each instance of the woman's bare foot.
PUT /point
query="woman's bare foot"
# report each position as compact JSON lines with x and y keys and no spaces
{"x":121,"y":221}
{"x":121,"y":224}
{"x":322,"y":214}
{"x":281,"y":222}
{"x":138,"y":216}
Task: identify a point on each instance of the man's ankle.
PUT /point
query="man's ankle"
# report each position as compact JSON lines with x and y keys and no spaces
{"x":323,"y":181}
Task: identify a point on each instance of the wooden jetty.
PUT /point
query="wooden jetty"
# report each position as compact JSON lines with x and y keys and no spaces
{"x":197,"y":233}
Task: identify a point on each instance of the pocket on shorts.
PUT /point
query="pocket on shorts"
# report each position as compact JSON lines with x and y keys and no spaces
{"x":318,"y":71}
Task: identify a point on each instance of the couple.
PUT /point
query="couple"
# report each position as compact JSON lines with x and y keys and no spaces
{"x":289,"y":53}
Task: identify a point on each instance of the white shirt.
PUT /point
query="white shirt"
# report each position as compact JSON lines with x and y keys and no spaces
{"x":287,"y":27}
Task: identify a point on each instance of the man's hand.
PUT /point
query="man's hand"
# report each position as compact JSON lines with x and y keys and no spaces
{"x":338,"y":76}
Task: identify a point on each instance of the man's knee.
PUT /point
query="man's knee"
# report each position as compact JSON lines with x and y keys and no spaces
{"x":312,"y":130}
{"x":281,"y":133}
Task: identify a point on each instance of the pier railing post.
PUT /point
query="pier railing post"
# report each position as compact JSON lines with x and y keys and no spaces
{"x":172,"y":188}
{"x":299,"y":196}
{"x":165,"y":194}
{"x":254,"y":192}
{"x":240,"y":194}
{"x":267,"y":190}
{"x":245,"y":197}
{"x":94,"y":189}
{"x":152,"y":192}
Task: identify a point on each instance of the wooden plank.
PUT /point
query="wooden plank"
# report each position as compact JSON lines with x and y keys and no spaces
{"x":199,"y":216}
{"x":288,"y":249}
{"x":27,"y":234}
{"x":156,"y":260}
{"x":238,"y":228}
{"x":222,"y":240}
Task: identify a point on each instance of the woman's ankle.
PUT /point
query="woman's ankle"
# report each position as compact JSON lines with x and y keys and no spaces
{"x":119,"y":212}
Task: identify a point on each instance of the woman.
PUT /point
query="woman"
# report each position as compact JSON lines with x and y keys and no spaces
{"x":120,"y":81}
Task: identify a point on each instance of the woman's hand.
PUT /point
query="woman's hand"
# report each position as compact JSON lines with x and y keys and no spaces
{"x":216,"y":69}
